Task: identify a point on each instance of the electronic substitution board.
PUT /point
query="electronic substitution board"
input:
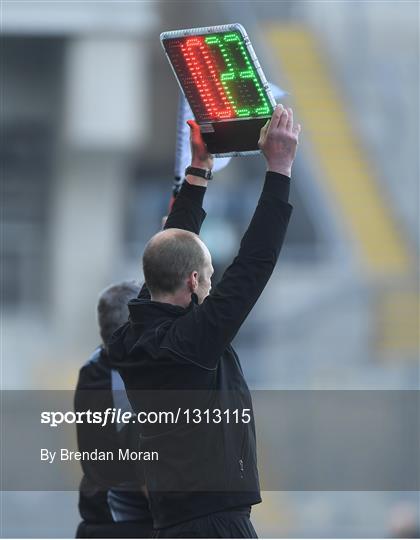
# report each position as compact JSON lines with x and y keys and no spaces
{"x":222,"y":80}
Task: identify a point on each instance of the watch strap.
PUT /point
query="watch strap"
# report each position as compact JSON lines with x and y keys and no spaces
{"x":202,"y":173}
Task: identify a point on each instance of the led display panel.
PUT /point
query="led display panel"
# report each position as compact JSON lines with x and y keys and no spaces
{"x":218,"y":71}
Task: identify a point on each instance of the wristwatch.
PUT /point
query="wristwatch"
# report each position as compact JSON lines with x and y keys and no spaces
{"x":202,"y":173}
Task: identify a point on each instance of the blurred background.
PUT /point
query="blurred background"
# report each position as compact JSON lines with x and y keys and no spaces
{"x":89,"y":106}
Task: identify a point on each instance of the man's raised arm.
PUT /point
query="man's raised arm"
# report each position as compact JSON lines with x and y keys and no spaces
{"x":187,"y":210}
{"x":207,"y":330}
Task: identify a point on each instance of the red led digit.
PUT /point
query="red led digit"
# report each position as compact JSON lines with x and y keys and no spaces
{"x":203,"y":69}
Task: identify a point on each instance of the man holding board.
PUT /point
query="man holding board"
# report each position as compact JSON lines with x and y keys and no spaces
{"x":179,"y":339}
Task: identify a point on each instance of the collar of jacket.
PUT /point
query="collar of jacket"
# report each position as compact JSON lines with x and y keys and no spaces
{"x":142,"y":310}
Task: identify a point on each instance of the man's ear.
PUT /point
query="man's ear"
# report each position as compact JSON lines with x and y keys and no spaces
{"x":192,"y":281}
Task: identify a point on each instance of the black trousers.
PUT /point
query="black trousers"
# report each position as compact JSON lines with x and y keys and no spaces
{"x":122,"y":529}
{"x":234,"y":523}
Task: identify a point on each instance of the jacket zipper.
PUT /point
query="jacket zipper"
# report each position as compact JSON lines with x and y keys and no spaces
{"x":241,"y":467}
{"x":241,"y":459}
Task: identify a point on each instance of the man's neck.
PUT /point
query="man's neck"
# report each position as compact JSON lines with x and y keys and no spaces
{"x":180,"y":298}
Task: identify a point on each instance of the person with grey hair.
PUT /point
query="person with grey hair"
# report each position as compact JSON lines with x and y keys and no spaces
{"x":112,"y":310}
{"x":179,"y":338}
{"x":112,"y":502}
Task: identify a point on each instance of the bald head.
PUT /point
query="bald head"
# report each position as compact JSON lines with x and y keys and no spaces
{"x":170,"y":258}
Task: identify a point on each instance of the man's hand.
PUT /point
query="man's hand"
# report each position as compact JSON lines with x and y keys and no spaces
{"x":200,"y":155}
{"x":278,"y":141}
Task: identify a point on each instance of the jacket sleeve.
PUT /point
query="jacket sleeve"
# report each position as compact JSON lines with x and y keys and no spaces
{"x":187,"y":213}
{"x":202,"y":334}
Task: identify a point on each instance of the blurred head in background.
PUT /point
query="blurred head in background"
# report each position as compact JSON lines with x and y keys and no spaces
{"x":404,"y":521}
{"x":112,"y":307}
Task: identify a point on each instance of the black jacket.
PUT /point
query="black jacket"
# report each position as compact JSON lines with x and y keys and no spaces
{"x":168,"y":347}
{"x":108,"y":492}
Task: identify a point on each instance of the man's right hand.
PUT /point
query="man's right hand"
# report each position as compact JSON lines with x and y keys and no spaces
{"x":200,"y":156}
{"x":278,"y":141}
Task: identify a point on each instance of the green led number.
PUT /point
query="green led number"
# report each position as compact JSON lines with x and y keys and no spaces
{"x":235,"y":74}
